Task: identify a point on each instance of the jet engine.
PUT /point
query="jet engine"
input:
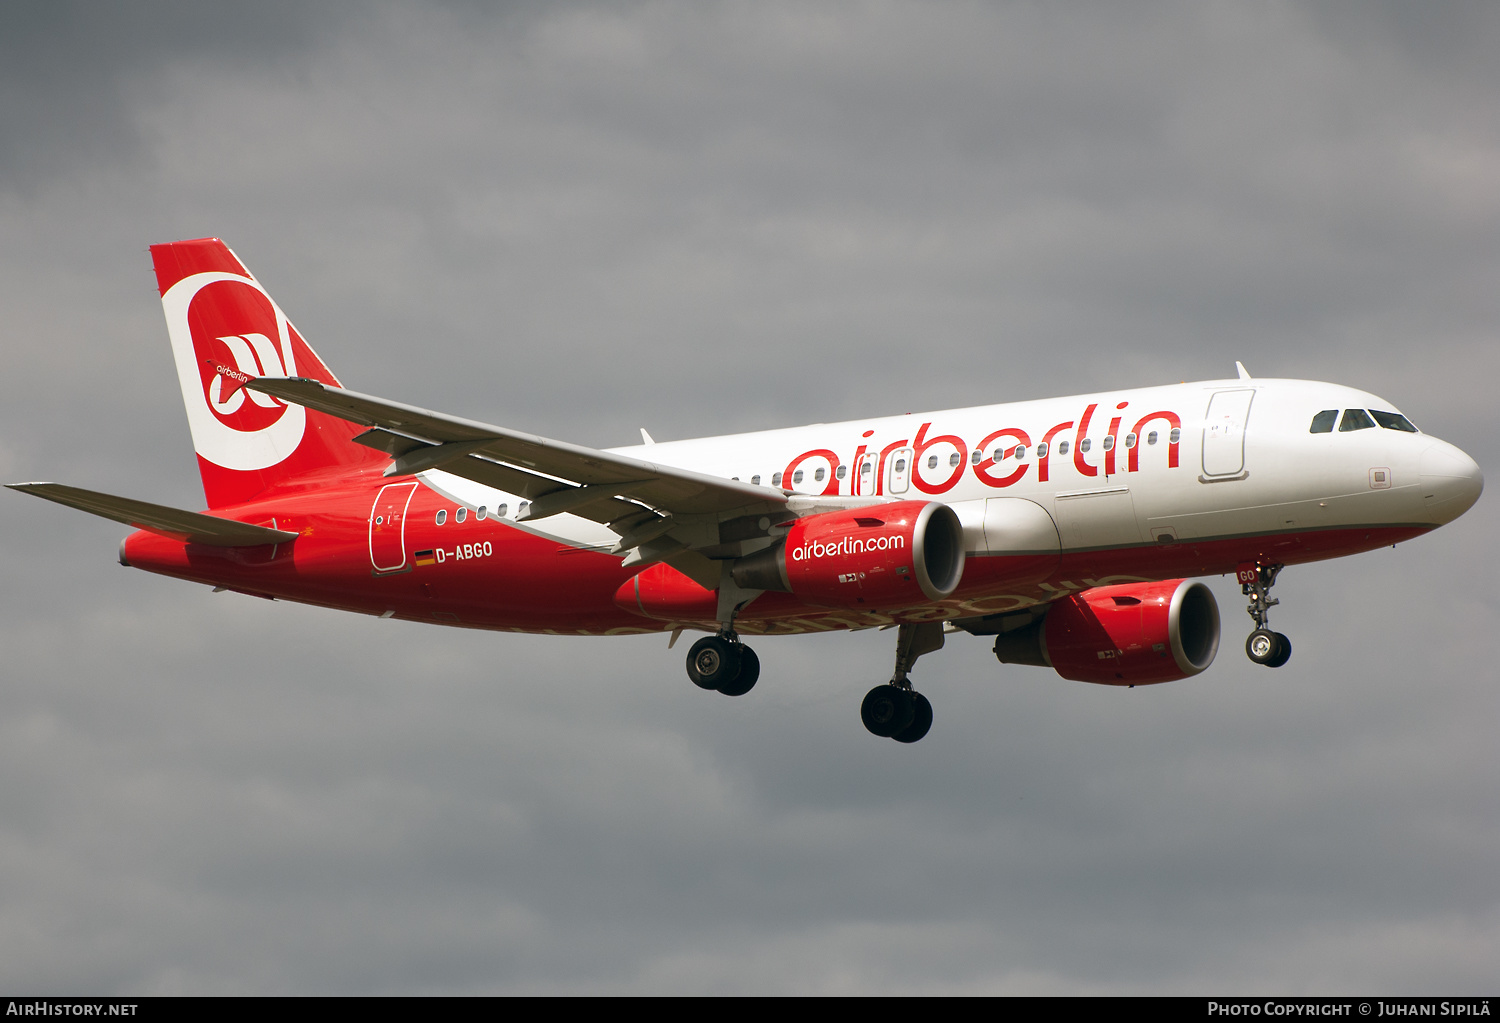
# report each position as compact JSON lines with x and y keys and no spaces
{"x":1126,"y":635}
{"x":871,"y":558}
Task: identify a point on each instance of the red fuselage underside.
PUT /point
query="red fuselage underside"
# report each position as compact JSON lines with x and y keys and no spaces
{"x":529,"y":582}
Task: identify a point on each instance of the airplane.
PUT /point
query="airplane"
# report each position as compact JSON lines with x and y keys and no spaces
{"x":1069,"y":529}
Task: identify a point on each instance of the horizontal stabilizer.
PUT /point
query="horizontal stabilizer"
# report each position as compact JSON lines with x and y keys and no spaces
{"x":185,"y":526}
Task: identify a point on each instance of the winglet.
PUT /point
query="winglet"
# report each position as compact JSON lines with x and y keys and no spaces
{"x":1239,"y":367}
{"x":646,"y":437}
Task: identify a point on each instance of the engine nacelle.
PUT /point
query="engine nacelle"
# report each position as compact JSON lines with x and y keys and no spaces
{"x":871,"y":558}
{"x":1126,"y":635}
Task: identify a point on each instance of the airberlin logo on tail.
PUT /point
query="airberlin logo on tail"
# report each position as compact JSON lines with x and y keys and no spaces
{"x":848,"y":545}
{"x":256,"y":357}
{"x":226,"y":331}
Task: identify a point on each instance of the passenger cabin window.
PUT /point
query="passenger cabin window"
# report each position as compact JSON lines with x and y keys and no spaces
{"x":1062,"y":447}
{"x":1130,"y":440}
{"x":1021,"y":453}
{"x":442,"y":516}
{"x":1323,"y":421}
{"x":841,"y":471}
{"x":954,"y":459}
{"x":460,"y":515}
{"x":481,"y":513}
{"x":1151,"y":437}
{"x":797,"y":476}
{"x":1175,"y":436}
{"x":501,"y":509}
{"x":932,"y":462}
{"x":1356,"y":419}
{"x":1041,"y":450}
{"x":1393,"y":421}
{"x":755,"y":479}
{"x":818,"y":474}
{"x":775,"y":479}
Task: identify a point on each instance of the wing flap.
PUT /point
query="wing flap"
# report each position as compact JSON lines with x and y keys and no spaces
{"x":185,"y":526}
{"x":412,"y":455}
{"x":680,"y":491}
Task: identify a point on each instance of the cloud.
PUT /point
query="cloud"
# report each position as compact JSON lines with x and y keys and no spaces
{"x":583,"y":219}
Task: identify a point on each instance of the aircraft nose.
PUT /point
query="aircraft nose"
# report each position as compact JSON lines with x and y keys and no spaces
{"x":1451,"y":482}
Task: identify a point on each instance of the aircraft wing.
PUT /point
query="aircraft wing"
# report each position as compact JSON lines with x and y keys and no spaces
{"x":554,"y":475}
{"x":185,"y":526}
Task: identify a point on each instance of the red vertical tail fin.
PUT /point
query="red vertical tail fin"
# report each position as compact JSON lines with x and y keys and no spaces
{"x":219,"y":317}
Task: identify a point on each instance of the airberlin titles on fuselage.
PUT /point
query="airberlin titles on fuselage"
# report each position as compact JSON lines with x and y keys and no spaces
{"x":986,"y":456}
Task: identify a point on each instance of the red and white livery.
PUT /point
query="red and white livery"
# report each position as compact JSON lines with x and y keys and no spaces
{"x":1068,"y":528}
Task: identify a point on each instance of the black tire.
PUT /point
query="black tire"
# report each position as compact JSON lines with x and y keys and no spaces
{"x":921,"y":719}
{"x":749,"y":674}
{"x":1263,"y":645}
{"x":887,"y":710}
{"x":712,"y":662}
{"x":1283,"y":652}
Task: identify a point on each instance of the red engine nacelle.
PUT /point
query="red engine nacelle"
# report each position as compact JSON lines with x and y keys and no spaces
{"x":870,"y":558}
{"x":1132,"y":634}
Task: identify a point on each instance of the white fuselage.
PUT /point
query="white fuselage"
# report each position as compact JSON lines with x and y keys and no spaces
{"x":1181,"y":462}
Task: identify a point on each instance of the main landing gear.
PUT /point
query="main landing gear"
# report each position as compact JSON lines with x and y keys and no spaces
{"x":723,"y":663}
{"x":1263,"y":646}
{"x":896,"y":710}
{"x":892,"y":711}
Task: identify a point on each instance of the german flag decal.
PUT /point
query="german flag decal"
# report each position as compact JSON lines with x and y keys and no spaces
{"x":425,"y":558}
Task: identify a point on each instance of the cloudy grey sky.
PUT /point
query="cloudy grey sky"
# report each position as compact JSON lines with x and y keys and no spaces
{"x":579,"y":219}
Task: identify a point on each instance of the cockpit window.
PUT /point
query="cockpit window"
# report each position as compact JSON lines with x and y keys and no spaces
{"x":1356,"y":419}
{"x":1393,"y":421}
{"x":1323,"y":421}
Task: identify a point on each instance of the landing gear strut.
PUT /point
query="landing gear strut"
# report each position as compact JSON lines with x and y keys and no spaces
{"x":722,"y":662}
{"x":896,"y":710}
{"x":1263,"y":646}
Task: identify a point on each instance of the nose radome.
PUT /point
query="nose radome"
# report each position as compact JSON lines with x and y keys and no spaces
{"x":1451,"y":481}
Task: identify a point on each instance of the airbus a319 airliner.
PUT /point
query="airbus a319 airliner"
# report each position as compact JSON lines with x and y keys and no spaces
{"x":1068,"y":529}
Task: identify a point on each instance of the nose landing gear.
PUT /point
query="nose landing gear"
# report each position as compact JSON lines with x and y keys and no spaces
{"x":896,"y":710}
{"x":1263,"y":646}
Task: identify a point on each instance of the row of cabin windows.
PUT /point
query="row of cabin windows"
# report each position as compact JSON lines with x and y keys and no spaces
{"x":820,"y":473}
{"x":975,"y":457}
{"x":840,"y":472}
{"x":1360,"y":419}
{"x":481,"y":513}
